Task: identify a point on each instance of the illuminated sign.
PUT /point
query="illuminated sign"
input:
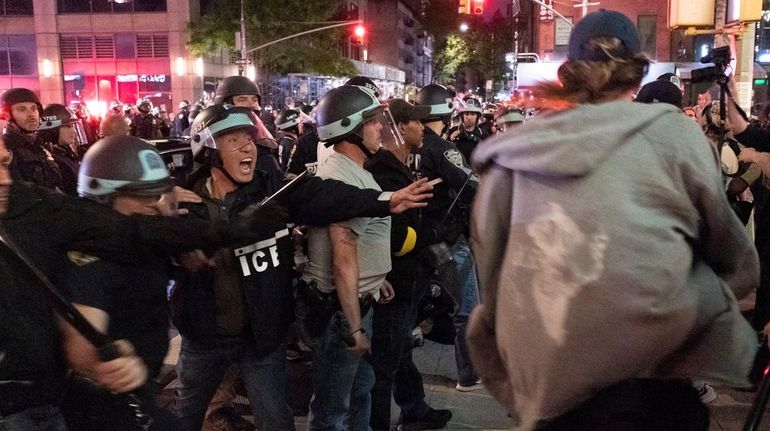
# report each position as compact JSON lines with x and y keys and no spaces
{"x":141,"y":78}
{"x":68,"y":78}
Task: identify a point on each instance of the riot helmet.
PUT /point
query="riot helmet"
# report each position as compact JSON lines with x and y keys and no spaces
{"x":144,"y":105}
{"x":235,"y":86}
{"x":122,"y":165}
{"x":184,"y":104}
{"x":511,"y":116}
{"x":288,"y":119}
{"x":366,"y":82}
{"x":217,"y":120}
{"x":53,"y":117}
{"x":343,"y":112}
{"x":18,"y":95}
{"x":194,"y":111}
{"x":472,"y":105}
{"x":116,"y":107}
{"x":439,"y":99}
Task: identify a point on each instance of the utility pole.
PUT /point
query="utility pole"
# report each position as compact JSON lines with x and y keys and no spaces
{"x":244,"y":61}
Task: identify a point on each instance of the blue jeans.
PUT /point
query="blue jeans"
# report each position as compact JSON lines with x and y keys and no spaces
{"x":202,"y":366}
{"x":459,"y":279}
{"x":342,"y":381}
{"x":43,"y":418}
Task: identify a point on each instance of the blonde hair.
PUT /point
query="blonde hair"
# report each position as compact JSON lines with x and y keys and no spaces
{"x":583,"y":81}
{"x":113,"y":125}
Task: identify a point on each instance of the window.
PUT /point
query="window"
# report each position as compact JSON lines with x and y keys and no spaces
{"x":18,"y":55}
{"x":108,"y":46}
{"x":647,"y":25}
{"x":18,"y":7}
{"x":106,"y":6}
{"x":125,"y":46}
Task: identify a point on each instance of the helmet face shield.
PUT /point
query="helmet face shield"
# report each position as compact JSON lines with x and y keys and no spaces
{"x":80,"y":134}
{"x":381,"y":121}
{"x":234,"y":118}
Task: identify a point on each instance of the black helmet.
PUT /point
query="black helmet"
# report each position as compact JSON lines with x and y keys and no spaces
{"x":18,"y":95}
{"x":194,"y":111}
{"x":217,"y":120}
{"x":122,"y":164}
{"x":287,"y":119}
{"x":56,"y":115}
{"x":366,"y":82}
{"x":234,"y":86}
{"x":342,"y":110}
{"x":144,"y":105}
{"x":438,"y":98}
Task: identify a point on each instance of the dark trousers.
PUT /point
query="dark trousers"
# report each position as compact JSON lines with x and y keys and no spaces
{"x":638,"y":405}
{"x":396,"y":375}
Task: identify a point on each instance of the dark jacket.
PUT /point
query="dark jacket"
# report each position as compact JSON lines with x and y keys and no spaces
{"x":438,"y":158}
{"x":408,"y":236}
{"x":69,"y":165}
{"x":305,"y":156}
{"x":263,"y":268}
{"x":286,"y":147}
{"x":466,"y":141}
{"x":46,"y":225}
{"x":31,"y":161}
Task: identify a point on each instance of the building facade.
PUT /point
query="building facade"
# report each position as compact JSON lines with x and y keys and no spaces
{"x":98,"y":51}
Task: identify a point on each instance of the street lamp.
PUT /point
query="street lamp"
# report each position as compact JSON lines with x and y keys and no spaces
{"x":464,"y":27}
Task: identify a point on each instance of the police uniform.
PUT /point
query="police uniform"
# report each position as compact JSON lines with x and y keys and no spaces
{"x":68,"y":164}
{"x":305,"y":155}
{"x":286,"y":147}
{"x":31,"y":161}
{"x":466,"y":141}
{"x":438,"y":158}
{"x":181,"y":123}
{"x":145,"y":126}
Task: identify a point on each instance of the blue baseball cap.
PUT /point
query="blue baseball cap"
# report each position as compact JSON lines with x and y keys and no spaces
{"x":603,"y":23}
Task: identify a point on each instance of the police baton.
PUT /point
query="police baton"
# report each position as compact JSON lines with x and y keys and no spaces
{"x":288,"y":186}
{"x":103,"y":343}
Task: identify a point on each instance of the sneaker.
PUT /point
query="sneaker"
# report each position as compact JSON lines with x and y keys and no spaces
{"x":707,"y":393}
{"x":469,"y":388}
{"x":431,"y":420}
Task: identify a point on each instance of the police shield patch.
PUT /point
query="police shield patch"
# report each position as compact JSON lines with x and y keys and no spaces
{"x":454,"y":157}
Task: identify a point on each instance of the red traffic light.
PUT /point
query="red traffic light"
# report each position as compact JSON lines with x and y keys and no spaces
{"x":477,"y":7}
{"x":360,"y":31}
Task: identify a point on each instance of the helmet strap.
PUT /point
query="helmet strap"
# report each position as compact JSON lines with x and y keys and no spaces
{"x":217,"y":163}
{"x":358,"y":140}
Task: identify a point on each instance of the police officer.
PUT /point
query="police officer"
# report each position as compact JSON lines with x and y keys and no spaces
{"x":289,"y":122}
{"x":511,"y":117}
{"x":366,"y":82}
{"x":305,"y":155}
{"x":241,"y":91}
{"x":45,"y":226}
{"x":126,"y":302}
{"x":144,"y":124}
{"x":438,"y":158}
{"x":195,"y":110}
{"x":31,"y":161}
{"x":181,"y":120}
{"x":467,"y":134}
{"x":239,"y":311}
{"x":488,"y":126}
{"x":62,"y":134}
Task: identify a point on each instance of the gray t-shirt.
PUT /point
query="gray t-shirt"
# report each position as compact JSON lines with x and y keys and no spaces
{"x":373,"y":234}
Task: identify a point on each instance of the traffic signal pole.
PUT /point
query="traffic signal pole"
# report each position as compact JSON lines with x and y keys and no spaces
{"x":335,"y":25}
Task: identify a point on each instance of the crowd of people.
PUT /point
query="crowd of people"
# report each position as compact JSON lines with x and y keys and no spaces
{"x":595,"y":225}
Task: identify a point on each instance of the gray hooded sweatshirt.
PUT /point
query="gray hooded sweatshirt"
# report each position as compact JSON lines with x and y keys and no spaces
{"x":606,"y":250}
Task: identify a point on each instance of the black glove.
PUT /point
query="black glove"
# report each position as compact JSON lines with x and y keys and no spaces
{"x":254,"y":223}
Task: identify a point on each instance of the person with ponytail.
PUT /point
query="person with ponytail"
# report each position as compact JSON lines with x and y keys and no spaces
{"x":608,"y":255}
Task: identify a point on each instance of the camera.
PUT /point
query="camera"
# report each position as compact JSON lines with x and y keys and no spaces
{"x":721,"y":58}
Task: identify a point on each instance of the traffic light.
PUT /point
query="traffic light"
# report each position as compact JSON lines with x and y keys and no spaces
{"x":464,"y":7}
{"x":359,"y":33}
{"x":477,"y":7}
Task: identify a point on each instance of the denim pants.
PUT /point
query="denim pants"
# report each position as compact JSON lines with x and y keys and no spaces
{"x":42,"y":418}
{"x":202,"y":366}
{"x":458,"y":277}
{"x":342,"y":381}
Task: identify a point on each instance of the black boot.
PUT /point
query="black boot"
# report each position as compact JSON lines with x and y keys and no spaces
{"x":431,"y":420}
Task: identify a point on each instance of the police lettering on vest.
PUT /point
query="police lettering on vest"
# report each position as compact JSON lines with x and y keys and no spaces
{"x":261,"y":255}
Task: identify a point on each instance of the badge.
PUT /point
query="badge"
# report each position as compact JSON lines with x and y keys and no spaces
{"x":81,"y":259}
{"x":454,"y":157}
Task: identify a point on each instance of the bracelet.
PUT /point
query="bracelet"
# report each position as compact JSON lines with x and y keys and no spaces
{"x":361,"y":330}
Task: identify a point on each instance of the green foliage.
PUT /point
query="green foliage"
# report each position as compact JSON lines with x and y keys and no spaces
{"x":482,"y":47}
{"x":268,"y":20}
{"x":456,"y":52}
